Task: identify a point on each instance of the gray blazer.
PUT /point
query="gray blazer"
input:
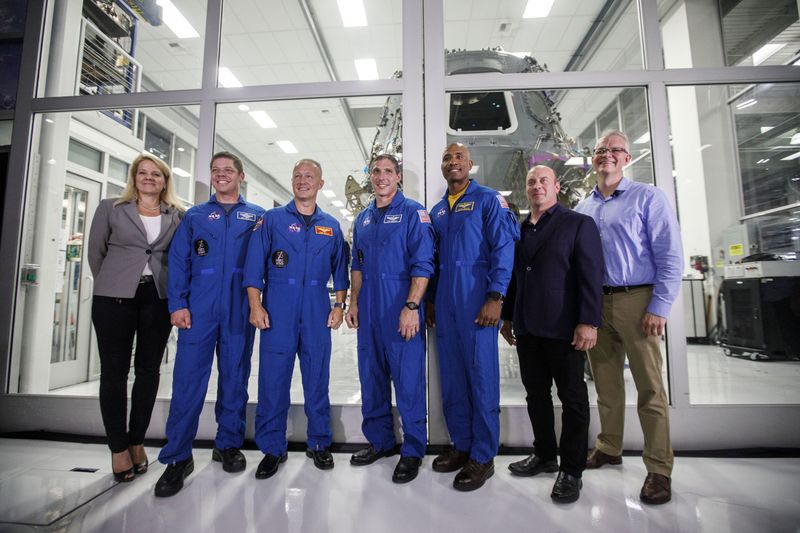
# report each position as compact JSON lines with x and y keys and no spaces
{"x":118,"y":249}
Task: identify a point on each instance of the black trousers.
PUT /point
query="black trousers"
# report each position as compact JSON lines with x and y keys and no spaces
{"x":116,"y":321}
{"x":542,"y":361}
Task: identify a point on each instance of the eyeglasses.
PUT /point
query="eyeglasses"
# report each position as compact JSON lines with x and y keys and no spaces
{"x":615,"y":151}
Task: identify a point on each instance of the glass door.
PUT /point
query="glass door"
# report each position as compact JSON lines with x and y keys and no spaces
{"x":72,"y":331}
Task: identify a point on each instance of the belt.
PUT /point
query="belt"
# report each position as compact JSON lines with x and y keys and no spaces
{"x":625,"y":288}
{"x":146,"y":279}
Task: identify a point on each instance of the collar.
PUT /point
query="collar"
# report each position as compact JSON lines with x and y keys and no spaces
{"x":292,"y":208}
{"x":213,"y":199}
{"x":397,"y":200}
{"x":471,"y":186}
{"x":624,"y":184}
{"x":549,"y":212}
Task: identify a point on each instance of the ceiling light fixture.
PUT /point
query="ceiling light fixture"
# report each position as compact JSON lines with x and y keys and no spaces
{"x":287,"y":147}
{"x":643,"y":139}
{"x":474,"y":169}
{"x":345,"y":212}
{"x":328,"y":193}
{"x":244,"y":107}
{"x":765,"y":52}
{"x":337,"y":203}
{"x":262,"y":119}
{"x":575,"y":161}
{"x":790,"y":157}
{"x":747,"y":103}
{"x":367,"y":69}
{"x":180,"y":172}
{"x":352,"y":12}
{"x":505,"y":193}
{"x":227,"y":79}
{"x":536,"y":9}
{"x":795,"y":139}
{"x":175,"y":21}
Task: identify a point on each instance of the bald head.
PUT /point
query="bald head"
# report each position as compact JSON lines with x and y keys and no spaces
{"x":456,"y":164}
{"x":541,"y":187}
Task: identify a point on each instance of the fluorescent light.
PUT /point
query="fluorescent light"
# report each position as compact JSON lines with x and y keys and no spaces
{"x":765,"y":52}
{"x":345,"y":212}
{"x":790,"y":157}
{"x":367,"y":69}
{"x":181,"y":149}
{"x":765,"y":129}
{"x":244,"y":107}
{"x":287,"y":147}
{"x":521,"y":55}
{"x":524,"y":211}
{"x":703,"y":147}
{"x":180,"y":172}
{"x":227,"y":79}
{"x":337,"y":203}
{"x":349,"y":218}
{"x":263,"y":119}
{"x":761,"y":161}
{"x":505,"y":193}
{"x":536,"y":9}
{"x":795,"y":139}
{"x":328,"y":193}
{"x":49,"y":120}
{"x":746,"y":103}
{"x":474,"y":169}
{"x":352,"y":12}
{"x":575,"y":161}
{"x":643,"y":139}
{"x":175,"y":20}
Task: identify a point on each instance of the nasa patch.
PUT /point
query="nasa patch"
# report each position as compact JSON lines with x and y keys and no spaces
{"x":215,"y":215}
{"x":280,"y":258}
{"x":393,"y":219}
{"x":367,"y":220}
{"x":441,"y":212}
{"x":201,"y":247}
{"x":294,"y":227}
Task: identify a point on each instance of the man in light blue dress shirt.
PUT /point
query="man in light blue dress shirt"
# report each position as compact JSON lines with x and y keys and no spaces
{"x":643,"y":266}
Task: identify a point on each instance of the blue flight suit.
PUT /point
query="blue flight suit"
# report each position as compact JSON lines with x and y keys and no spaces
{"x":475,"y":251}
{"x":296,"y":262}
{"x":206,"y":260}
{"x":389,"y":249}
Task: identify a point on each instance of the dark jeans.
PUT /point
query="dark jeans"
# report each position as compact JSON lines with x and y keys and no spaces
{"x":542,"y":361}
{"x":116,"y":320}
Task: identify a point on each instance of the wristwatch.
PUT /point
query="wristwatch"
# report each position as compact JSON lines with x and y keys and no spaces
{"x":496,"y":296}
{"x":340,"y":305}
{"x":412,"y":305}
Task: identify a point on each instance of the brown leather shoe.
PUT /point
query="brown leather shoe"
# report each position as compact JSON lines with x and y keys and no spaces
{"x":473,"y":475}
{"x":450,"y":461}
{"x":656,"y":489}
{"x":597,"y":459}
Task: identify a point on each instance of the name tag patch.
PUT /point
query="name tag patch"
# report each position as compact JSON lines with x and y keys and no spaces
{"x":242,"y":215}
{"x":465,"y":206}
{"x":393,"y":219}
{"x":323,"y":230}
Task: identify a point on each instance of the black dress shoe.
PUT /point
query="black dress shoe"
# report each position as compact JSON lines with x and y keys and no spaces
{"x":473,"y":475}
{"x":406,"y":470}
{"x":322,"y":458}
{"x":450,"y":461}
{"x":369,"y":455}
{"x":567,"y":488}
{"x":232,"y":459}
{"x":269,"y":465}
{"x":171,"y":481}
{"x":532,"y":465}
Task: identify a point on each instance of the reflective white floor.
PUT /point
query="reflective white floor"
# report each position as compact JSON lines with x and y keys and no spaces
{"x":709,"y":495}
{"x":713,"y":378}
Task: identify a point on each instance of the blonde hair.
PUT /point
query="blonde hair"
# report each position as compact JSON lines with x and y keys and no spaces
{"x":168,"y":196}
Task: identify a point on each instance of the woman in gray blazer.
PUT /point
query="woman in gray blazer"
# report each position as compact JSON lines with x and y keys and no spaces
{"x":128,"y":244}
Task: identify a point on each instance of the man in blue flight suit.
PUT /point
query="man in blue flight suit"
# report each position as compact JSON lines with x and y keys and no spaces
{"x":296,"y":251}
{"x":208,"y":304}
{"x":392,"y":262}
{"x":475,"y":233}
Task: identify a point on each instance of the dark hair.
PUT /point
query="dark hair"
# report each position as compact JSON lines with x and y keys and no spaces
{"x":236,"y":161}
{"x":389,"y":157}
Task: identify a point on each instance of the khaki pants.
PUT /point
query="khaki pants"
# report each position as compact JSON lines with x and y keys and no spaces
{"x":622,"y":334}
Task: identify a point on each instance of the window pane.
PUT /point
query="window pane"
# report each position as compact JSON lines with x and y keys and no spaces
{"x":514,"y":36}
{"x":720,"y":33}
{"x":737,"y":163}
{"x":270,"y":41}
{"x":545,"y":126}
{"x":101,"y":47}
{"x":336,"y":133}
{"x":56,"y":345}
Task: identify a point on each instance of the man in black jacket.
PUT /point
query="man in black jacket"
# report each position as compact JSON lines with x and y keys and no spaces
{"x":554,"y":303}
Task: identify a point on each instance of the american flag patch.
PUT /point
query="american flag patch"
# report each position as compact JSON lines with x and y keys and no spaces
{"x":423,"y":216}
{"x":502,"y":200}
